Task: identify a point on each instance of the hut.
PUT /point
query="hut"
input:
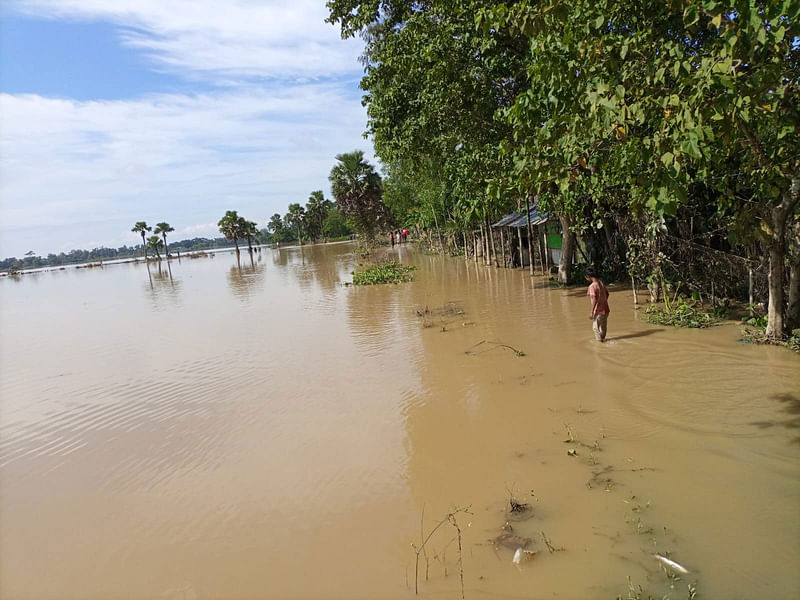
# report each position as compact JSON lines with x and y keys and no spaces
{"x":545,"y":240}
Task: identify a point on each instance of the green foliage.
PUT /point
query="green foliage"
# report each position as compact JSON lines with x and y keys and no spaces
{"x":357,"y":189}
{"x":681,"y":313}
{"x":235,"y":227}
{"x":391,"y":272}
{"x":335,"y":225}
{"x":598,"y":107}
{"x":155,"y":243}
{"x":295,"y":220}
{"x":163,"y":229}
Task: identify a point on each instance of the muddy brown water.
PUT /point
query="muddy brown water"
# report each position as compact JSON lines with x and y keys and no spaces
{"x":214,"y":430}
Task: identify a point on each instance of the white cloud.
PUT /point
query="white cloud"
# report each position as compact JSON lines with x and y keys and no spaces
{"x":79,"y":174}
{"x":236,"y":38}
{"x":75,"y":171}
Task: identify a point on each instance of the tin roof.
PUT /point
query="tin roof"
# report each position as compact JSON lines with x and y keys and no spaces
{"x":518,"y":220}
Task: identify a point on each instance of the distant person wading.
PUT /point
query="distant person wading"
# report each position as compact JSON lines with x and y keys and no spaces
{"x":598,"y":294}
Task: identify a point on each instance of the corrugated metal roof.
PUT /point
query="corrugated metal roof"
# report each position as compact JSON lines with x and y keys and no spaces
{"x":506,"y":220}
{"x":518,"y":220}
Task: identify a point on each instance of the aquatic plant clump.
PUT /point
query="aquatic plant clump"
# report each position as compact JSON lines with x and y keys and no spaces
{"x":391,"y":272}
{"x":682,"y":315}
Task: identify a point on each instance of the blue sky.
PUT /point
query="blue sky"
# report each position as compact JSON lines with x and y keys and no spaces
{"x":116,"y":112}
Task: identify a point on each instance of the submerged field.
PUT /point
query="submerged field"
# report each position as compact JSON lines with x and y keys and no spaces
{"x":214,"y":429}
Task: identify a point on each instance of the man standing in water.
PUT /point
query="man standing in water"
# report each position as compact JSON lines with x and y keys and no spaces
{"x":598,"y":294}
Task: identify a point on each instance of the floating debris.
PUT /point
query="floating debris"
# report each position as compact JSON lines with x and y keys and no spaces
{"x":521,"y":556}
{"x":671,"y":564}
{"x":511,"y":541}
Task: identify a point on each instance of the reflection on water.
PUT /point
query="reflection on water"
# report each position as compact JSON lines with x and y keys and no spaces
{"x":248,"y":426}
{"x":161,"y":286}
{"x":246,"y":277}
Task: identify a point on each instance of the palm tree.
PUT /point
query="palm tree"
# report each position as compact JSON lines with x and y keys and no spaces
{"x":316,"y":211}
{"x":164,"y":229}
{"x":141,"y":227}
{"x":231,"y":226}
{"x":250,"y":230}
{"x":357,"y":189}
{"x":295,"y":218}
{"x":154,"y":242}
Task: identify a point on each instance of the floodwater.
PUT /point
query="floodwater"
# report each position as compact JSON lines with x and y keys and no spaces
{"x":260,"y":430}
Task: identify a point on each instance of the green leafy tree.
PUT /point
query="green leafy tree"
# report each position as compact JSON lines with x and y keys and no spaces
{"x":277,"y":226}
{"x":250,"y":231}
{"x":142,"y":228}
{"x":163,"y":229}
{"x":232,"y":227}
{"x":668,"y":94}
{"x":335,"y":224}
{"x":317,"y":209}
{"x":154,"y":243}
{"x":295,"y":219}
{"x":357,"y":189}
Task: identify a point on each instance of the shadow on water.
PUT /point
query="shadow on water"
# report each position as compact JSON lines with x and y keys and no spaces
{"x":791,"y":407}
{"x":638,"y":334}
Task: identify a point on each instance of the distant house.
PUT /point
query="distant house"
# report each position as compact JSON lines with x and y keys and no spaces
{"x":546,"y":238}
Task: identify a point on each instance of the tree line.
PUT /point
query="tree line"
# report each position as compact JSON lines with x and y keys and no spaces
{"x":643,"y":126}
{"x":358,"y":208}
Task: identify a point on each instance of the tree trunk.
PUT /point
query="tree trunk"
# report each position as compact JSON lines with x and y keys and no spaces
{"x":793,"y":312}
{"x":521,"y":251}
{"x":530,"y":233}
{"x":503,"y":248}
{"x":777,"y":254}
{"x":542,"y":250}
{"x":438,"y":231}
{"x":491,"y":239}
{"x":236,"y":243}
{"x":144,"y":246}
{"x":567,"y":250}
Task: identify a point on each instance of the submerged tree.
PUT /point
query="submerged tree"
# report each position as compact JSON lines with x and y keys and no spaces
{"x":232,"y":227}
{"x":250,"y":231}
{"x":163,"y":229}
{"x":357,"y":189}
{"x":141,"y":227}
{"x":154,"y":243}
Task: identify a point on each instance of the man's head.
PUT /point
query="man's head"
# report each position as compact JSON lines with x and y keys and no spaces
{"x":590,"y":274}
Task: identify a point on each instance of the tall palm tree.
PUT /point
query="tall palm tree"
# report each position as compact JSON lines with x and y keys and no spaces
{"x":163,"y":229}
{"x":357,"y":189}
{"x":231,"y":226}
{"x":316,"y":211}
{"x":296,"y":218}
{"x":154,"y":242}
{"x":141,"y":227}
{"x":250,"y":230}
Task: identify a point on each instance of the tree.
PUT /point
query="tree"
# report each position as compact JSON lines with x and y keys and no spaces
{"x":669,"y":94}
{"x":141,"y":227}
{"x":154,"y":243}
{"x":295,"y":219}
{"x":231,"y":226}
{"x":250,"y":230}
{"x":357,"y":189}
{"x":163,"y":229}
{"x":316,"y":211}
{"x":335,"y":224}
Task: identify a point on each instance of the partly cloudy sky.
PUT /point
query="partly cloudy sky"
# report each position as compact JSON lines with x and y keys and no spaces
{"x":117,"y":111}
